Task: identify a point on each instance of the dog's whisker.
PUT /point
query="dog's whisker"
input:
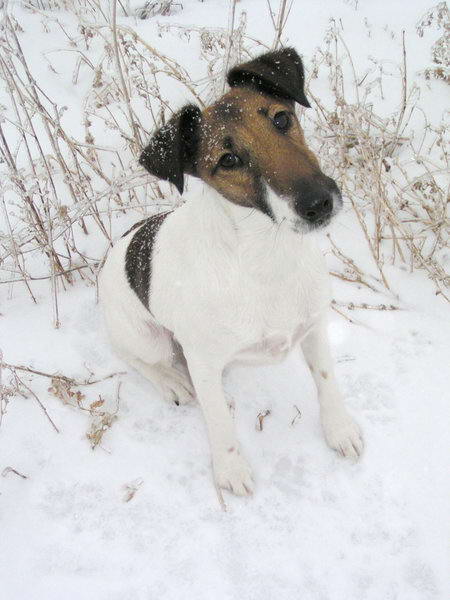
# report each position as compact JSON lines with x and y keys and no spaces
{"x":277,"y":232}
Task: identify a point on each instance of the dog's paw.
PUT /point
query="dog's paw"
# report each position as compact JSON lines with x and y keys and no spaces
{"x":342,"y":433}
{"x":233,"y":473}
{"x":177,"y":391}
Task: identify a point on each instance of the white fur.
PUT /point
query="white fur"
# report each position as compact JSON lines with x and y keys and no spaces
{"x":229,"y":285}
{"x":283,"y":212}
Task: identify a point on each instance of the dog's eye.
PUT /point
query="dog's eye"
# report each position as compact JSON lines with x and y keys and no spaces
{"x":229,"y":161}
{"x":282,"y":121}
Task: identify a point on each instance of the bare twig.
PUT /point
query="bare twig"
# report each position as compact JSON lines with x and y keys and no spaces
{"x":297,"y":416}
{"x":133,"y":124}
{"x":38,"y":401}
{"x":68,"y":380}
{"x":260,"y":419}
{"x":132,"y":488}
{"x":7,"y":470}
{"x":283,"y":15}
{"x":364,"y":306}
{"x":343,"y":315}
{"x":230,"y":40}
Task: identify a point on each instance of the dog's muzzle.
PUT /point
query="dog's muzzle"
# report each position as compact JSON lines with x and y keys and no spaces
{"x":317,"y":199}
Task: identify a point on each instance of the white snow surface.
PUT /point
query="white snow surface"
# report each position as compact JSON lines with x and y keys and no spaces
{"x":317,"y":527}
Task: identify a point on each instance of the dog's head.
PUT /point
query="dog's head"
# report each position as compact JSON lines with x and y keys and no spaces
{"x":249,"y":145}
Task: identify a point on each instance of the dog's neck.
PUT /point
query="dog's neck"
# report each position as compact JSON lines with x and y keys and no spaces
{"x":246,"y":233}
{"x":250,"y":224}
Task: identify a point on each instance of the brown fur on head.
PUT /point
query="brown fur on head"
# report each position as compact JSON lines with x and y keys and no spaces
{"x":249,"y":143}
{"x":242,"y":124}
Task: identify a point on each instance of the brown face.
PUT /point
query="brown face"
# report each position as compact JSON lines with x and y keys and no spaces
{"x":249,"y":145}
{"x":252,"y":150}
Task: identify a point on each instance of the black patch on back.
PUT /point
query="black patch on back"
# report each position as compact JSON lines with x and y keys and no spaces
{"x":135,"y":226}
{"x":138,"y":258}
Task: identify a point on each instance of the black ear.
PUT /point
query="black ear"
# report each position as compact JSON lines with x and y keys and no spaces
{"x":172,"y":150}
{"x":277,"y":73}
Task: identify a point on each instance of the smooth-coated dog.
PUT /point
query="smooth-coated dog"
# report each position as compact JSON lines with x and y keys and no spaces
{"x":233,"y":274}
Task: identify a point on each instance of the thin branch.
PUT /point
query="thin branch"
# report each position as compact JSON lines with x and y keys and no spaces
{"x":68,"y":380}
{"x":38,"y":401}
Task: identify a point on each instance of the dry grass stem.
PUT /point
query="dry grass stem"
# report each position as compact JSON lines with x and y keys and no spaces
{"x":364,"y":306}
{"x":62,"y":378}
{"x":44,"y":410}
{"x":7,"y":470}
{"x":260,"y":419}
{"x":297,"y":416}
{"x":131,"y":489}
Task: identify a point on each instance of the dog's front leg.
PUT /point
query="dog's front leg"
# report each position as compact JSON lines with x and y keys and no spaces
{"x":341,"y":431}
{"x":231,"y":470}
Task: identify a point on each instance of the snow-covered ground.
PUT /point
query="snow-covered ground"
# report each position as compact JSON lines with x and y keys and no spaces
{"x":138,"y":517}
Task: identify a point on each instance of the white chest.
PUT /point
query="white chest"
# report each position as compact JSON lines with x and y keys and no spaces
{"x":271,"y":348}
{"x":253,"y":292}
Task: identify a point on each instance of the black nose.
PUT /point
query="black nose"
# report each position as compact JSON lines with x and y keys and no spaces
{"x":314,"y":198}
